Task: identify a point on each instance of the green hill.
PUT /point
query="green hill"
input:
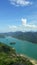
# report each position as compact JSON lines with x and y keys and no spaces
{"x":8,"y":56}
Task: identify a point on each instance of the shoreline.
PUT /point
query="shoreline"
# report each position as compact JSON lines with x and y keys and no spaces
{"x":31,"y":59}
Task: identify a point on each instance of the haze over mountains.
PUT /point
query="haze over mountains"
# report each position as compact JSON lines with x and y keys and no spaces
{"x":26,"y":36}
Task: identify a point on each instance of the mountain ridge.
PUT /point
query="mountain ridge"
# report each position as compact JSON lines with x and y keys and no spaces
{"x":28,"y":36}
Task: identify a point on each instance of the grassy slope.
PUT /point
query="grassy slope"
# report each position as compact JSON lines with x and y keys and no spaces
{"x":8,"y":56}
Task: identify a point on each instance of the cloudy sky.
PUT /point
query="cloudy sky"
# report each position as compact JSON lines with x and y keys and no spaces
{"x":18,"y":15}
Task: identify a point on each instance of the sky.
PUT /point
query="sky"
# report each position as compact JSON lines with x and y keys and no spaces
{"x":18,"y":15}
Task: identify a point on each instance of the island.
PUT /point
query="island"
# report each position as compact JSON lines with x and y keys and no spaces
{"x":12,"y":43}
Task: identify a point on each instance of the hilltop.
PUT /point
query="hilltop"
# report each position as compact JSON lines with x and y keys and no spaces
{"x":8,"y":56}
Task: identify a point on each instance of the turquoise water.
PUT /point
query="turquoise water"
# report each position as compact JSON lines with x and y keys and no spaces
{"x":22,"y":47}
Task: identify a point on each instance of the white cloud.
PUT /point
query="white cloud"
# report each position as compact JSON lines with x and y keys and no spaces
{"x":20,"y":2}
{"x":24,"y":21}
{"x":12,"y":28}
{"x":23,"y":27}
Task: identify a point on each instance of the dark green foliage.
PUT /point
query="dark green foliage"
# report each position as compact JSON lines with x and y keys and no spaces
{"x":8,"y":56}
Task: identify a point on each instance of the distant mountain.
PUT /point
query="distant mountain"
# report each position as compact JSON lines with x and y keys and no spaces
{"x":2,"y":35}
{"x":28,"y":36}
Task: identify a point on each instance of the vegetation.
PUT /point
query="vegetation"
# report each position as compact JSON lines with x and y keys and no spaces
{"x":8,"y":56}
{"x":28,"y":36}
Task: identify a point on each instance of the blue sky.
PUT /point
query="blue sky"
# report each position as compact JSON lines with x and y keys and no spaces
{"x":18,"y":15}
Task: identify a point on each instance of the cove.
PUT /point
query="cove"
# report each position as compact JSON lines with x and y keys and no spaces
{"x":22,"y":47}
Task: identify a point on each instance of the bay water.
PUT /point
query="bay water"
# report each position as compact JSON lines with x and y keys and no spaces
{"x":22,"y":47}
